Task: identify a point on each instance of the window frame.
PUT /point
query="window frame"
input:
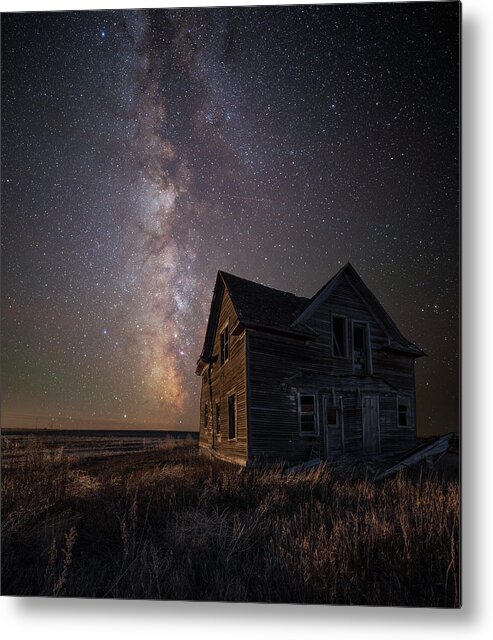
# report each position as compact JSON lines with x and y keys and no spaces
{"x":369,"y":355}
{"x":207,"y":416}
{"x":217,"y":414}
{"x":233,"y":393}
{"x":407,"y":400}
{"x":316,"y":426}
{"x":225,"y":327}
{"x":345,"y":345}
{"x":338,"y":406}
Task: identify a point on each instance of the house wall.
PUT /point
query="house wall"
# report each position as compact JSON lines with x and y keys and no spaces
{"x":280,"y":368}
{"x":230,"y":377}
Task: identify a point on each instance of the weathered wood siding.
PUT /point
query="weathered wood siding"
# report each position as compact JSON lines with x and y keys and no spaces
{"x":225,"y":379}
{"x":280,"y":368}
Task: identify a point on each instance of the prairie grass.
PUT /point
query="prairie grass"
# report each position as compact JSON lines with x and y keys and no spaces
{"x":172,"y":524}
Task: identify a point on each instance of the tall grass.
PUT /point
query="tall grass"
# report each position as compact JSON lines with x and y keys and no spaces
{"x":176,"y":525}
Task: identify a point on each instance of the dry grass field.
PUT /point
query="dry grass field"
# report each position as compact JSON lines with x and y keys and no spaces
{"x":164,"y":522}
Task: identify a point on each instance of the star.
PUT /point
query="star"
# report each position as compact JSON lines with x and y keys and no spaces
{"x":207,"y":139}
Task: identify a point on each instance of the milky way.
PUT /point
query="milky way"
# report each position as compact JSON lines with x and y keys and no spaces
{"x":144,"y":150}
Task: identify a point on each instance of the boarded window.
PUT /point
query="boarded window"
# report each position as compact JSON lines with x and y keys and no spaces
{"x":206,"y":416}
{"x":218,"y":418}
{"x":232,"y":416}
{"x":339,"y":336}
{"x":307,"y":413}
{"x":224,"y":345}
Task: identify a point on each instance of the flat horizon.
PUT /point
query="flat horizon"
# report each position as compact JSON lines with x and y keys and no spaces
{"x":81,"y":429}
{"x":43,"y":423}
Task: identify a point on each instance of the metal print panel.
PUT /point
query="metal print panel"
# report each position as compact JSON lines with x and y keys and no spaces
{"x":230,"y":304}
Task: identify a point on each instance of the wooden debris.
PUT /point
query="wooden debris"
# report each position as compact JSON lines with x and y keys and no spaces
{"x":303,"y":466}
{"x":427,"y":451}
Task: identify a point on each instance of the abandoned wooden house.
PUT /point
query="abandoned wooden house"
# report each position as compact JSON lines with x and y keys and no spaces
{"x":286,"y":378}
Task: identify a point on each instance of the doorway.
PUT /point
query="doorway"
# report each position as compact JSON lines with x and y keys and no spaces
{"x":333,"y":426}
{"x":371,"y":424}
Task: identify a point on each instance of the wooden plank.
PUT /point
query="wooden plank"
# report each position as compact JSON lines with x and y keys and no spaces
{"x":303,"y":467}
{"x":418,"y":454}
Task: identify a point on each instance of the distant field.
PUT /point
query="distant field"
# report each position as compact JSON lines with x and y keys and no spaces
{"x":149,"y":517}
{"x":88,"y":443}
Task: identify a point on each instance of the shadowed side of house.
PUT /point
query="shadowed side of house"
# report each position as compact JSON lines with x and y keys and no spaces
{"x":286,"y":378}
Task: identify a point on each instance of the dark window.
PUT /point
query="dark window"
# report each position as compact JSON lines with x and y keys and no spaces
{"x":218,"y":418}
{"x":332,"y":416}
{"x":359,"y":338}
{"x":360,"y":349}
{"x":339,"y":336}
{"x":206,"y":416}
{"x":224,"y":345}
{"x":403,"y":415}
{"x":232,"y":416}
{"x":307,"y":414}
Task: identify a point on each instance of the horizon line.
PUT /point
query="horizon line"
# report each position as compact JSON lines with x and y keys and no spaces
{"x":33,"y":421}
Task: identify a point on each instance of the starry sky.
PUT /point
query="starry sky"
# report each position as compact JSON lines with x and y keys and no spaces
{"x":144,"y":150}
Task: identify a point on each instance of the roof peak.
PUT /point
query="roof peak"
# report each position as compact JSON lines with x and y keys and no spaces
{"x":346,"y":267}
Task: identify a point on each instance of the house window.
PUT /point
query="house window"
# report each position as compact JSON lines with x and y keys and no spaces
{"x":339,"y":337}
{"x":331,"y":416}
{"x":224,"y":356}
{"x":206,"y":416}
{"x":218,"y":418}
{"x":307,"y":413}
{"x":361,"y":359}
{"x":232,"y":416}
{"x":403,"y":412}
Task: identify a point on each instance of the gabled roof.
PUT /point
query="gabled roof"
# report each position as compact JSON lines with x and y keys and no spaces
{"x":397,"y":342}
{"x":256,"y":306}
{"x":261,"y":307}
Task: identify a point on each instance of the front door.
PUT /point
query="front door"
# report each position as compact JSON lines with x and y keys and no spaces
{"x":333,"y":427}
{"x":371,"y":424}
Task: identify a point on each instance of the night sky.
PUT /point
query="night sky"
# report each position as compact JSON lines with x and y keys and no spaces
{"x":144,"y":150}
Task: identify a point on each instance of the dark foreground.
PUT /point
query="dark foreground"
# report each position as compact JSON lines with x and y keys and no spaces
{"x":168,"y":523}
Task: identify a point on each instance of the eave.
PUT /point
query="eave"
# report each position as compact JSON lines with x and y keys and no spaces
{"x":305,"y":334}
{"x":202,"y":364}
{"x":403,"y":351}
